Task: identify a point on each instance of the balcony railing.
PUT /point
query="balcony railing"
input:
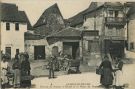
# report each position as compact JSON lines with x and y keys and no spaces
{"x":115,"y":20}
{"x":115,"y":37}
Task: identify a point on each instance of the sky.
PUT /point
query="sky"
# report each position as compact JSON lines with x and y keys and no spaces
{"x":34,"y":8}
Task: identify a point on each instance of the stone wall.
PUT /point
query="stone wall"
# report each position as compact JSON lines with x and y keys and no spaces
{"x":29,"y":47}
{"x":131,"y":36}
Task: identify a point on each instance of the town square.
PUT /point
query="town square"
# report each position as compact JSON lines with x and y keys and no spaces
{"x":61,"y":45}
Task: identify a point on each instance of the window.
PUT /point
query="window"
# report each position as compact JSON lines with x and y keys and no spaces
{"x":17,"y":50}
{"x":89,"y":45}
{"x":131,"y":45}
{"x":116,"y":13}
{"x":110,"y":13}
{"x":8,"y":52}
{"x":16,"y":26}
{"x":110,"y":27}
{"x":7,"y":26}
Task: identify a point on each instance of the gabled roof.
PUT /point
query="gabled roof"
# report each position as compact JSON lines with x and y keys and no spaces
{"x":79,"y":18}
{"x":92,"y":6}
{"x":10,"y":13}
{"x":67,"y":32}
{"x":95,"y":7}
{"x":43,"y":18}
{"x":24,"y":16}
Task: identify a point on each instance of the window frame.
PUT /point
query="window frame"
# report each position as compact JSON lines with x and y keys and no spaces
{"x":110,"y":13}
{"x":17,"y":50}
{"x":7,"y":26}
{"x":116,"y":13}
{"x":17,"y":26}
{"x":132,"y":45}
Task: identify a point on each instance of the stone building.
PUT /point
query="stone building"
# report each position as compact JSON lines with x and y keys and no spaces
{"x":131,"y":27}
{"x":13,"y":26}
{"x":68,"y":41}
{"x":51,"y":21}
{"x":131,"y":21}
{"x":109,"y":19}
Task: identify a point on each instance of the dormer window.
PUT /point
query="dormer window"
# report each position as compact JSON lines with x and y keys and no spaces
{"x":17,"y":26}
{"x":7,"y":26}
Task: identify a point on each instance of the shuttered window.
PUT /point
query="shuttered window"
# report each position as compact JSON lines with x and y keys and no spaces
{"x":17,"y":26}
{"x":7,"y":26}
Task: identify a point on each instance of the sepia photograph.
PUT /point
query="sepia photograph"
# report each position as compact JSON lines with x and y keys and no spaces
{"x":67,"y":44}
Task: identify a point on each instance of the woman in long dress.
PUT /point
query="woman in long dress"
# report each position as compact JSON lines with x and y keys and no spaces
{"x":4,"y":68}
{"x":106,"y":76}
{"x":25,"y":71}
{"x":119,"y":74}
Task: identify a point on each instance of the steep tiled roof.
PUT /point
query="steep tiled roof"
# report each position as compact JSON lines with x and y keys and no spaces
{"x":92,"y":6}
{"x":24,"y":16}
{"x":43,"y":18}
{"x":10,"y":13}
{"x":95,"y":6}
{"x":67,"y":32}
{"x":79,"y":18}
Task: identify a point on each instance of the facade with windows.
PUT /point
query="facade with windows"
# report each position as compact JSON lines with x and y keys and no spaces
{"x":110,"y":20}
{"x":13,"y":26}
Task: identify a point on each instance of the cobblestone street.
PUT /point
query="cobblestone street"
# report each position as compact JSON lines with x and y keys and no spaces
{"x":86,"y":80}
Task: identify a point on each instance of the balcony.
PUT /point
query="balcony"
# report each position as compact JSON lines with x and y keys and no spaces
{"x":115,"y":21}
{"x":115,"y":37}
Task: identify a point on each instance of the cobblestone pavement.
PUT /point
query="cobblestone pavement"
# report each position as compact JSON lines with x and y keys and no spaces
{"x":86,"y":80}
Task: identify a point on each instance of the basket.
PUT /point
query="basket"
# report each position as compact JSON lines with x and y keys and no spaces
{"x":99,"y":71}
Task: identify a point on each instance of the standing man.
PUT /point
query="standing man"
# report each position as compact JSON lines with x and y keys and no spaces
{"x":51,"y":67}
{"x":16,"y":67}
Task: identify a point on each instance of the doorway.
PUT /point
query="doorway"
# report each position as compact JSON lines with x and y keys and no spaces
{"x":71,"y":48}
{"x":117,"y":49}
{"x":39,"y":52}
{"x":8,"y":51}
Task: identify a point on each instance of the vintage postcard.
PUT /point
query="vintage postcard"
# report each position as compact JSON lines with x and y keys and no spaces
{"x":67,"y":44}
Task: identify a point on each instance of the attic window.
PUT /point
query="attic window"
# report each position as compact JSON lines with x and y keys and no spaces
{"x":16,"y":26}
{"x":7,"y":26}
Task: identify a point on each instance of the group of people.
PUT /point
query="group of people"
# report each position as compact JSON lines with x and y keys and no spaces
{"x":57,"y":64}
{"x":19,"y":67}
{"x":65,"y":64}
{"x":111,"y":75}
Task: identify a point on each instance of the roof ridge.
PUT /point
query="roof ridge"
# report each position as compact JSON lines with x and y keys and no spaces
{"x":67,"y":28}
{"x":8,"y":3}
